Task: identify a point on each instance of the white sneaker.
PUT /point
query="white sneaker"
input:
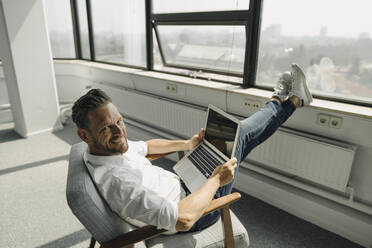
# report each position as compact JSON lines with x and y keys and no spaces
{"x":283,"y":86}
{"x":299,"y":86}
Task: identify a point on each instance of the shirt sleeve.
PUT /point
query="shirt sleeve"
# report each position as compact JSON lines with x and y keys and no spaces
{"x":129,"y":199}
{"x":139,"y":147}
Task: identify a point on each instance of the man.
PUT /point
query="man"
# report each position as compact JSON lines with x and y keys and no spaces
{"x":144,"y":194}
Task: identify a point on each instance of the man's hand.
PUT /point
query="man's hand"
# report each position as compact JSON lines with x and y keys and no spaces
{"x":225,"y":172}
{"x":195,"y":140}
{"x":191,"y":208}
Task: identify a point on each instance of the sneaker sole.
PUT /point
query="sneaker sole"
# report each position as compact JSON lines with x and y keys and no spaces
{"x":307,"y":91}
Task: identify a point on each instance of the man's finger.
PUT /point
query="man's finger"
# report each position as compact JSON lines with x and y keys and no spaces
{"x":232,"y":161}
{"x":201,"y":134}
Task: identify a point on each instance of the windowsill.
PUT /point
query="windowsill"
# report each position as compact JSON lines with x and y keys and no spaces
{"x":318,"y":104}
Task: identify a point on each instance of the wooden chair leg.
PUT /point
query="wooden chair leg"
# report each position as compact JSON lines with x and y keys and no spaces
{"x":227,"y":227}
{"x":92,"y":243}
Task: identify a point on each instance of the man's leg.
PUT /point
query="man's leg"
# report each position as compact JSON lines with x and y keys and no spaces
{"x":258,"y":127}
{"x":291,"y":92}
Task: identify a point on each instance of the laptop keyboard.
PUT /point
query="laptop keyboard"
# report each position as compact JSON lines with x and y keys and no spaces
{"x":204,"y":161}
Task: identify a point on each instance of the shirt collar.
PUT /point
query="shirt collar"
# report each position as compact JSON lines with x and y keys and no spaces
{"x":97,"y":160}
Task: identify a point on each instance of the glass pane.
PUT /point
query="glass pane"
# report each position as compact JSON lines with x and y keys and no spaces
{"x":3,"y":91}
{"x":159,"y":66}
{"x":61,"y":34}
{"x":335,"y":51}
{"x":216,"y":48}
{"x":83,"y":28}
{"x":174,"y":6}
{"x":119,"y":31}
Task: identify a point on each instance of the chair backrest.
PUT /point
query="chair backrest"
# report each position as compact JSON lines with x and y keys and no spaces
{"x":87,"y":204}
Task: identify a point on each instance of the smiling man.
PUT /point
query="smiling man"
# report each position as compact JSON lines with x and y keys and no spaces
{"x":144,"y":194}
{"x":135,"y":189}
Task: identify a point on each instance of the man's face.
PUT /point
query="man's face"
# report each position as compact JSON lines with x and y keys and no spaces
{"x":107,"y":133}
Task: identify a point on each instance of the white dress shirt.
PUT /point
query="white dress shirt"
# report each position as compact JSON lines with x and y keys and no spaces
{"x":136,"y":190}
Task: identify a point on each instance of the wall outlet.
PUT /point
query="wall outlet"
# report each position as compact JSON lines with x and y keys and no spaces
{"x":335,"y":122}
{"x":329,"y":121}
{"x":323,"y":120}
{"x":252,"y":105}
{"x":171,"y":87}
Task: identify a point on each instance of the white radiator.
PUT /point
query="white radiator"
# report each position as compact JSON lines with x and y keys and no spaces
{"x":312,"y":158}
{"x":319,"y":160}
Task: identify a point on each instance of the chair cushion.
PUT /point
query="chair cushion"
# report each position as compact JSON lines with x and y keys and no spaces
{"x":209,"y":237}
{"x":87,"y":204}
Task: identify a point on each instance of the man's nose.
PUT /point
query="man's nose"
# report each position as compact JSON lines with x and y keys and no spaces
{"x":117,"y":129}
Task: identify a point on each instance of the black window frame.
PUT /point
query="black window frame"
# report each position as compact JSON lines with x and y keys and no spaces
{"x":252,"y":21}
{"x":249,"y":18}
{"x":231,"y":17}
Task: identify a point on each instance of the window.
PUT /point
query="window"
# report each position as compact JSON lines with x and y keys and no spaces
{"x":209,"y":43}
{"x":61,"y":34}
{"x":83,"y":29}
{"x":332,"y":44}
{"x":119,"y":31}
{"x":213,"y":48}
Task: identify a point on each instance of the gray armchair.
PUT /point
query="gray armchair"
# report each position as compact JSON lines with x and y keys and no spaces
{"x":110,"y":230}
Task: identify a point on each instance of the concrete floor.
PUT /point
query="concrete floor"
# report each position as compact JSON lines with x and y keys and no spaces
{"x":34,"y":211}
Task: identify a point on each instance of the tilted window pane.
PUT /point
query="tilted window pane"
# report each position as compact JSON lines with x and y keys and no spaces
{"x":61,"y":34}
{"x":331,"y":40}
{"x":213,"y":48}
{"x":83,"y":28}
{"x":174,"y":6}
{"x":119,"y":31}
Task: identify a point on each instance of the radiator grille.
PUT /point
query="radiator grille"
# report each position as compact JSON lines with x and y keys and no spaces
{"x":316,"y":159}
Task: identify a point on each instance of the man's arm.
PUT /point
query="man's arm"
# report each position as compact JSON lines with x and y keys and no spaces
{"x":194,"y":205}
{"x":159,"y":146}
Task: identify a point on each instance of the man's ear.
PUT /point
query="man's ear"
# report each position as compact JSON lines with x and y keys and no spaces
{"x":83,"y":134}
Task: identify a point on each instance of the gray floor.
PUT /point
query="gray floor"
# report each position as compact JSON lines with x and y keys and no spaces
{"x":34,"y":212}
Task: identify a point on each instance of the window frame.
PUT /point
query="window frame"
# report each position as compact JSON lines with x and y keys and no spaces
{"x":91,"y":40}
{"x":251,"y":19}
{"x":196,"y":68}
{"x":213,"y":18}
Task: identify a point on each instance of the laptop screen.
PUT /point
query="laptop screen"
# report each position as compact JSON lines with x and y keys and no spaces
{"x":220,"y":132}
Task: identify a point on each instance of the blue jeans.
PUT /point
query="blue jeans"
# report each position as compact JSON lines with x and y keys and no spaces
{"x":253,"y":131}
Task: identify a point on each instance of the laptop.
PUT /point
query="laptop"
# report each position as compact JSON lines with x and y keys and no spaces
{"x":217,"y":147}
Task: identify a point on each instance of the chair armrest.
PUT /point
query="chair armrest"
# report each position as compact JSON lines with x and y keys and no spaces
{"x":149,"y":231}
{"x":222,"y":202}
{"x":152,"y":157}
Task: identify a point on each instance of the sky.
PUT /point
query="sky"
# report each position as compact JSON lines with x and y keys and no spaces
{"x":343,"y":18}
